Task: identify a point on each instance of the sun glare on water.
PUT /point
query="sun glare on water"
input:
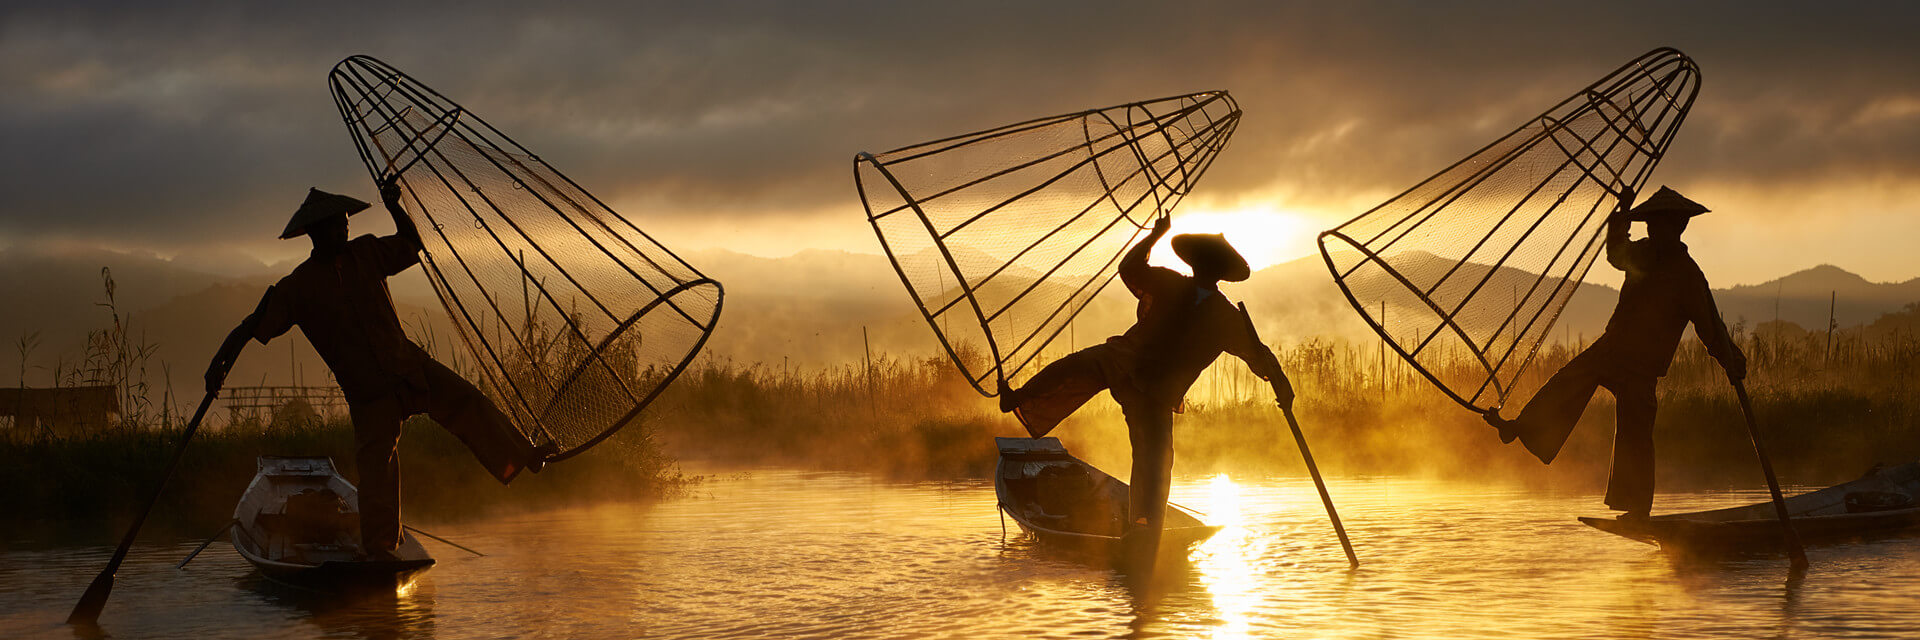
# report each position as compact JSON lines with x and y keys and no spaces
{"x":1224,"y":561}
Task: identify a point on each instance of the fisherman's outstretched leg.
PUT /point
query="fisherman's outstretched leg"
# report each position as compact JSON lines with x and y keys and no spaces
{"x":376,"y":435}
{"x":1057,"y":390}
{"x":1630,"y":482}
{"x":460,"y":408}
{"x":1546,"y":421}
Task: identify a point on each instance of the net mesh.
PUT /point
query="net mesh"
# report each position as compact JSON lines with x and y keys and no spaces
{"x":573,"y":318}
{"x":1464,"y":274}
{"x":1003,"y":235}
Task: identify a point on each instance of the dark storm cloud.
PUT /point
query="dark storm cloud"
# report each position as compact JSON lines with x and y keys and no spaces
{"x":173,"y":124}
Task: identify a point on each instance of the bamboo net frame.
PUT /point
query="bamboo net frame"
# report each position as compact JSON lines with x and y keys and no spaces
{"x":1002,"y":236}
{"x":574,"y":318}
{"x":1477,"y":262}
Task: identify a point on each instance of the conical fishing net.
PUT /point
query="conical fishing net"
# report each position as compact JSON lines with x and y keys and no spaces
{"x":1003,"y":235}
{"x":1464,"y":274}
{"x":574,"y":318}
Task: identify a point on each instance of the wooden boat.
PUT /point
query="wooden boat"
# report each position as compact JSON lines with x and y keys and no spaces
{"x":1065,"y":503}
{"x":299,"y":524}
{"x":1878,"y":503}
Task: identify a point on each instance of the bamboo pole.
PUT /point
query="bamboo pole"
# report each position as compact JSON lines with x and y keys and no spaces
{"x":87,"y":610}
{"x":203,"y":545}
{"x":1300,"y":438}
{"x":1792,"y":539}
{"x":1339,"y":529}
{"x":455,"y":545}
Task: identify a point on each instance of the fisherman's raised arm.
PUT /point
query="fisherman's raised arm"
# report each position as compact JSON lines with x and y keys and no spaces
{"x":402,"y":224}
{"x":1133,"y":266}
{"x":400,"y":251}
{"x":1619,"y":244}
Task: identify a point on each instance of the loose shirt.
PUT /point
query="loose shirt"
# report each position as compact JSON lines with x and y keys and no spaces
{"x":340,"y":301}
{"x":1180,"y":330}
{"x":1664,"y":291}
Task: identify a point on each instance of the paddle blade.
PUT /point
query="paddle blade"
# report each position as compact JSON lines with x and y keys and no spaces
{"x":87,"y":610}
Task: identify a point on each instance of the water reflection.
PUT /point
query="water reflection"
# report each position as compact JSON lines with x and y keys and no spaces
{"x":1225,"y":566}
{"x":783,"y":554}
{"x":406,"y":612}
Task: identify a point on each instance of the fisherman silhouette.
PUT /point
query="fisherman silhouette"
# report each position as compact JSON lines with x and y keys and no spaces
{"x":338,"y":297}
{"x":1183,"y":324}
{"x":1664,"y":291}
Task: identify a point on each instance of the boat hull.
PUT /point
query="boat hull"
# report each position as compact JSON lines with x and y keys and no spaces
{"x":1072,"y":507}
{"x":298,"y":524}
{"x":1822,"y":516}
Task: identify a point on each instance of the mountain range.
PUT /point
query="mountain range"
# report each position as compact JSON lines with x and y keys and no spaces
{"x":814,"y":308}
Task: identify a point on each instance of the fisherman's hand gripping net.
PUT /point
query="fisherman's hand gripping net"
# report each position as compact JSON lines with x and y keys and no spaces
{"x":1003,"y":235}
{"x":1474,"y":264}
{"x":575,"y":318}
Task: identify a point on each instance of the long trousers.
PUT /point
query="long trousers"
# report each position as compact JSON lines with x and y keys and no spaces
{"x":1063,"y":385}
{"x":453,"y":403}
{"x":1069,"y":382}
{"x":1548,"y":419}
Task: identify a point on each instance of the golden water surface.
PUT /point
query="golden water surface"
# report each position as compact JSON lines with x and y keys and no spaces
{"x":785,"y":554}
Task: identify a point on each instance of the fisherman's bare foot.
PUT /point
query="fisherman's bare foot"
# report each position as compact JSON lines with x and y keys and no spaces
{"x":1007,"y":403}
{"x":1506,"y":427}
{"x":1635,"y":516}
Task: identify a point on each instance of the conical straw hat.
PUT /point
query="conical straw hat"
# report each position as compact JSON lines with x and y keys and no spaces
{"x":1210,"y":252}
{"x":321,"y":205}
{"x":1665,"y":203}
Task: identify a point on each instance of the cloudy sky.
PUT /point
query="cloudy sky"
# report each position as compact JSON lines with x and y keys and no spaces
{"x":196,"y":128}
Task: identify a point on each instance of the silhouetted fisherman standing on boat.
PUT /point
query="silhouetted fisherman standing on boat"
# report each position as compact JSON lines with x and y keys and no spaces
{"x":338,"y":297}
{"x":1664,"y":291}
{"x":1183,"y":324}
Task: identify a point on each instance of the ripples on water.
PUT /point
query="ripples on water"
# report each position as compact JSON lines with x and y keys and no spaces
{"x":789,"y":554}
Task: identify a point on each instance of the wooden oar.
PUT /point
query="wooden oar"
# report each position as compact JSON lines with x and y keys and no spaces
{"x":87,"y":611}
{"x":1794,"y":550}
{"x":455,"y":545}
{"x":203,"y":545}
{"x":1300,"y":438}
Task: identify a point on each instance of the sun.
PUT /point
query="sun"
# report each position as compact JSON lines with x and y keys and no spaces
{"x":1265,"y":233}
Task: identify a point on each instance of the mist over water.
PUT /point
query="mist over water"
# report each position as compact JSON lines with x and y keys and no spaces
{"x":779,"y":553}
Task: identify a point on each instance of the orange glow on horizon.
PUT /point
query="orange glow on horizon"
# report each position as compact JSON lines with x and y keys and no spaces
{"x":1265,"y":232}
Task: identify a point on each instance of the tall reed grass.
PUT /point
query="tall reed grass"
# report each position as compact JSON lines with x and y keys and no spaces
{"x":60,"y":485}
{"x":1827,"y":413}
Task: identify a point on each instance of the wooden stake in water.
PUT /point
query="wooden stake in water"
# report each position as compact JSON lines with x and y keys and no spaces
{"x":873,"y":406}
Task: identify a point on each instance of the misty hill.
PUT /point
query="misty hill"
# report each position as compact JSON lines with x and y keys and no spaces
{"x":808,"y":308}
{"x":45,"y":288}
{"x":802,"y":310}
{"x":1803,"y":298}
